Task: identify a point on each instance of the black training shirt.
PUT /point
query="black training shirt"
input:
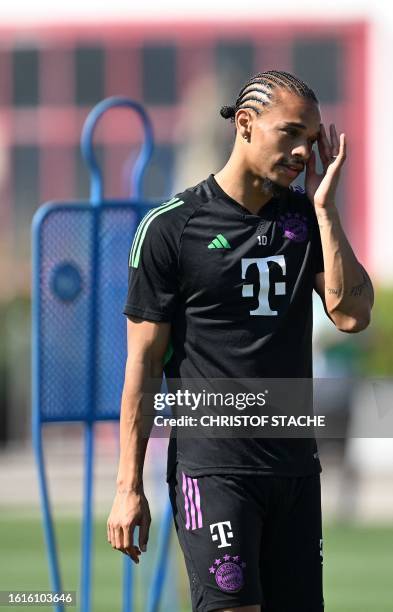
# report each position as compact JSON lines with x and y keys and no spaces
{"x":237,"y":289}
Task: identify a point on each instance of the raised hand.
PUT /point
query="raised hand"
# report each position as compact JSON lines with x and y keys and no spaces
{"x":321,"y":188}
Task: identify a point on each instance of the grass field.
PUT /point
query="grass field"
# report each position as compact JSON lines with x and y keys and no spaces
{"x":358,"y":566}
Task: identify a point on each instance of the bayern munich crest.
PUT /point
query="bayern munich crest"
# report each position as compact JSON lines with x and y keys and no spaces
{"x":294,"y":226}
{"x":229,"y":573}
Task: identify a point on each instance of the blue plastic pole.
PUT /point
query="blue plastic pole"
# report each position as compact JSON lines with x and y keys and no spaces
{"x":96,"y":198}
{"x":96,"y":184}
{"x":87,"y":525}
{"x":162,"y":560}
{"x":86,"y":540}
{"x":50,"y":539}
{"x":128,"y":583}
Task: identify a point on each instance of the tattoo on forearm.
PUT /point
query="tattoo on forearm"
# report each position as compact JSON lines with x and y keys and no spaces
{"x":358,"y":290}
{"x":355,"y":291}
{"x":334,"y":291}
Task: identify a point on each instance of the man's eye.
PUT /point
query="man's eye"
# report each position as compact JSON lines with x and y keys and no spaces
{"x":290,"y":131}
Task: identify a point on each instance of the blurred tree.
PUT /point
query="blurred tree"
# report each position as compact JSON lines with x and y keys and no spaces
{"x":3,"y":379}
{"x":377,"y":358}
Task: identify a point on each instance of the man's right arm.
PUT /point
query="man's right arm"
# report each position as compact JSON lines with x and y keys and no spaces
{"x":147,"y":343}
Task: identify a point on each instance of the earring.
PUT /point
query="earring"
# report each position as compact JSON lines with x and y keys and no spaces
{"x":246,"y":137}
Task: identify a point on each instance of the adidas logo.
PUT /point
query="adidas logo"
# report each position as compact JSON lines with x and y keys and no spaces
{"x":219,"y":242}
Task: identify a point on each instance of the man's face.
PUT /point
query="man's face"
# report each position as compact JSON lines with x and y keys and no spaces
{"x":282,"y":138}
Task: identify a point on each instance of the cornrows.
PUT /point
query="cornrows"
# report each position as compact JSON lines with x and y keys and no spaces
{"x":259,"y":91}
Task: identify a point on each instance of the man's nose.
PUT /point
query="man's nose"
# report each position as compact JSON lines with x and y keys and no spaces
{"x":302,"y":152}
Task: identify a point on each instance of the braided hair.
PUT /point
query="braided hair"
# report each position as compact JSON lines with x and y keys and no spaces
{"x":260,"y":91}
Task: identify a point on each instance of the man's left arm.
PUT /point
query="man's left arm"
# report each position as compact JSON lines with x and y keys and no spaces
{"x":344,"y":287}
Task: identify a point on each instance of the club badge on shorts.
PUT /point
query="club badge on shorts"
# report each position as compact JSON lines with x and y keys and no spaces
{"x":229,"y":573}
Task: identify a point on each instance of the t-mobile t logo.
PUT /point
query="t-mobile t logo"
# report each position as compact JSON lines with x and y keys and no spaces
{"x":224,"y":530}
{"x":264,"y":282}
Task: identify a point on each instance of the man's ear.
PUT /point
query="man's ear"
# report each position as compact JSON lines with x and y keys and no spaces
{"x":243,"y":121}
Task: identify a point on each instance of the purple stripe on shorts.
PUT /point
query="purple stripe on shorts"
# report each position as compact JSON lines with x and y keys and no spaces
{"x":186,"y":501}
{"x":192,"y":507}
{"x":198,"y":501}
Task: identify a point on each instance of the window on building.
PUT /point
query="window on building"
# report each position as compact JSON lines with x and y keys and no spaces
{"x":234,"y":64}
{"x":158,"y":179}
{"x":89,"y":75}
{"x":159,"y":74}
{"x":26,"y":196}
{"x":25,"y":67}
{"x":317,"y":63}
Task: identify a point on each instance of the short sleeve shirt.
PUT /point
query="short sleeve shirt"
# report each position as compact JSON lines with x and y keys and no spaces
{"x":243,"y":282}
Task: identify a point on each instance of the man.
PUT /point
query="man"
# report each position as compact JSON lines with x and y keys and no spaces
{"x":223,"y":275}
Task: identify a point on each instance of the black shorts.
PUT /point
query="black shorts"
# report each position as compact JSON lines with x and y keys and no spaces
{"x":250,"y":540}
